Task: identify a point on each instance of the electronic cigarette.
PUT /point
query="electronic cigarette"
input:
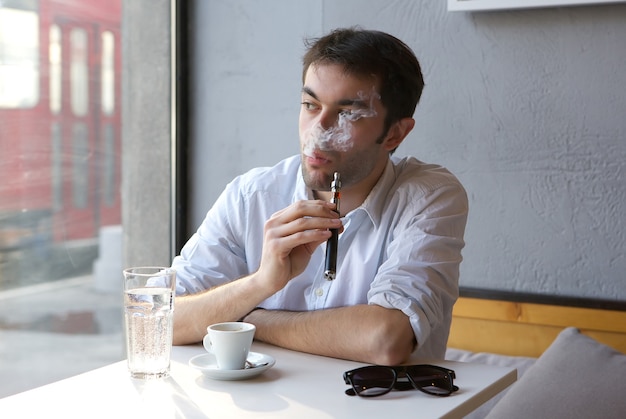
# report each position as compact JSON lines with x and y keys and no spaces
{"x":330,"y":266}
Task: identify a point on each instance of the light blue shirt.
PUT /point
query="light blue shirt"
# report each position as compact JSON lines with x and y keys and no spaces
{"x":400,"y":249}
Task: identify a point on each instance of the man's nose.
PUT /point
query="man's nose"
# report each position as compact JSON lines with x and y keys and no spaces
{"x":327,"y":119}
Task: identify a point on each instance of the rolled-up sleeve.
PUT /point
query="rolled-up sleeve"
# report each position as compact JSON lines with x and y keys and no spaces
{"x":420,"y":273}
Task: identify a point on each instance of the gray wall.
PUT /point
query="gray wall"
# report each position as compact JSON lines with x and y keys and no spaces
{"x":526,"y":107}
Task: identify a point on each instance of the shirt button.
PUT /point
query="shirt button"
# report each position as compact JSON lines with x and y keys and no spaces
{"x":319,"y":292}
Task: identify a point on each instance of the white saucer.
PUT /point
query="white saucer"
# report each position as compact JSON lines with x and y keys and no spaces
{"x":208,"y":365}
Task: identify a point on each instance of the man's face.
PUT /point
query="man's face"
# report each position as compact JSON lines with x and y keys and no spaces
{"x":341,"y":128}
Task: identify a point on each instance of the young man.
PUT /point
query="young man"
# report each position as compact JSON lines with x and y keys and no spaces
{"x":259,"y":254}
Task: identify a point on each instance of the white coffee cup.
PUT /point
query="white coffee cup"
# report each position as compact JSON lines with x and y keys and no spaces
{"x":230,"y":343}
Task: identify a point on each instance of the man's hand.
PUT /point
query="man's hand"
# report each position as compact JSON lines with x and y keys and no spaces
{"x":290,"y":237}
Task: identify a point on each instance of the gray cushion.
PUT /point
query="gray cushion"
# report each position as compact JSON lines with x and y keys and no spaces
{"x":521,"y":363}
{"x":576,"y":377}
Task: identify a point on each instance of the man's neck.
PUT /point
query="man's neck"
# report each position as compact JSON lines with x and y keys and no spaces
{"x":352,"y":196}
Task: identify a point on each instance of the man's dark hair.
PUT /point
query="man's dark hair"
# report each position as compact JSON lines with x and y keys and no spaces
{"x":366,"y":52}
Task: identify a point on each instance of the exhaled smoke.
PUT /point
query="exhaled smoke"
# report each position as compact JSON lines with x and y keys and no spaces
{"x":339,"y":136}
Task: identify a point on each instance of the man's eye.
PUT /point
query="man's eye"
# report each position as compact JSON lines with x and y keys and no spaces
{"x":309,"y":106}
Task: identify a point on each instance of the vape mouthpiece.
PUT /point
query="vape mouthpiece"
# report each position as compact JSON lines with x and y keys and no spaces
{"x":335,"y":185}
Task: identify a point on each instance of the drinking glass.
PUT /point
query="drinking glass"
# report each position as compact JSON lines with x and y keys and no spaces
{"x":148,"y":315}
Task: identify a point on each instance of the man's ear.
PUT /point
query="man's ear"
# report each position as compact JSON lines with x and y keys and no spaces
{"x":398,"y":132}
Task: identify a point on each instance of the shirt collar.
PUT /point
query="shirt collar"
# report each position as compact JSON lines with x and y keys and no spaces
{"x":374,"y":204}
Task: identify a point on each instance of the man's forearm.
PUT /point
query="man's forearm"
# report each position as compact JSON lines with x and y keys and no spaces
{"x":229,"y":302}
{"x":366,"y":333}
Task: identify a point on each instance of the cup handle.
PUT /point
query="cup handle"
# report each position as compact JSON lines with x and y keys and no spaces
{"x":206,"y":341}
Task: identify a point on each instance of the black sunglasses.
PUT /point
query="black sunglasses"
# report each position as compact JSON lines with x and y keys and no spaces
{"x":376,"y":380}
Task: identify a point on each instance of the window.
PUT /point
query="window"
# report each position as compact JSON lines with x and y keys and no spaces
{"x":60,"y":195}
{"x":107,"y":71}
{"x":54,"y":54}
{"x":80,"y":165}
{"x":19,"y":57}
{"x":79,"y":72}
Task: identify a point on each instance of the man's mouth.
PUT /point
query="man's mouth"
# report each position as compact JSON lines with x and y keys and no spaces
{"x":317,"y":159}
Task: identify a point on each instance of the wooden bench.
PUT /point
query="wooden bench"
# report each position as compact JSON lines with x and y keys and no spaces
{"x":526,"y":324}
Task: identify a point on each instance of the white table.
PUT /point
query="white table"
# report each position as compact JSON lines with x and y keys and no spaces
{"x":298,"y":386}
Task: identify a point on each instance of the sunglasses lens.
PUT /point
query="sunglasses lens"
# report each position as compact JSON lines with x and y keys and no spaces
{"x":372,"y":381}
{"x":435,"y":381}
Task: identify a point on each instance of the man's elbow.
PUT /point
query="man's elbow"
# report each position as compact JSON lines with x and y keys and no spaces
{"x":393,"y":343}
